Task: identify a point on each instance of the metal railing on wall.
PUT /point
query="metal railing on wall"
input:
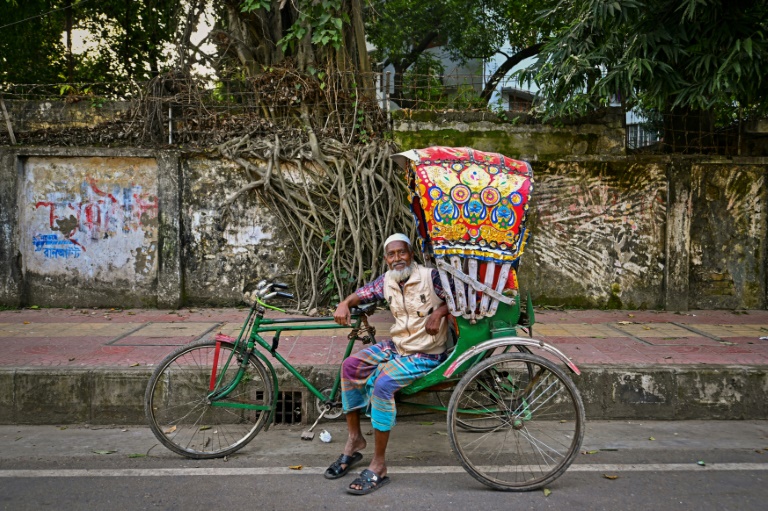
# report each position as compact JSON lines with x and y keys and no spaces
{"x":639,"y":137}
{"x":351,"y":108}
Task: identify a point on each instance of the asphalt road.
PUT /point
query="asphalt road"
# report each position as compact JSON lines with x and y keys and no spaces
{"x":79,"y":468}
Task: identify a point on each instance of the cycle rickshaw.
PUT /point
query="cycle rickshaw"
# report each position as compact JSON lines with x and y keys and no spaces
{"x":515,"y":419}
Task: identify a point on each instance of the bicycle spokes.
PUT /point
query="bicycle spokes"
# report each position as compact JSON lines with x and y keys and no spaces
{"x":527,"y":421}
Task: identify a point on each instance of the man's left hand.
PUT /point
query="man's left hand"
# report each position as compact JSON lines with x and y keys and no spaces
{"x":433,"y":321}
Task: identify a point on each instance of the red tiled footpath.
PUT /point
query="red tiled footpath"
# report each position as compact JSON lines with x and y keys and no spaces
{"x":112,"y":337}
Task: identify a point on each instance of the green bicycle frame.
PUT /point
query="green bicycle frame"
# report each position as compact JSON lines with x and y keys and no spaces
{"x":259,"y":325}
{"x":504,"y":323}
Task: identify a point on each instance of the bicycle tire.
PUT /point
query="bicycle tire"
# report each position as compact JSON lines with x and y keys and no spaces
{"x":180,"y":414}
{"x":468,"y":426}
{"x":538,"y":422}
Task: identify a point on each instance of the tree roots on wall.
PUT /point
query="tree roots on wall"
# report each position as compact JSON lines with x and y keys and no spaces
{"x":337,"y":201}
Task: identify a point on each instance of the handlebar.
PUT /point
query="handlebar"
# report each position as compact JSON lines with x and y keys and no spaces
{"x":267,"y":290}
{"x":277,"y":293}
{"x":366,"y":309}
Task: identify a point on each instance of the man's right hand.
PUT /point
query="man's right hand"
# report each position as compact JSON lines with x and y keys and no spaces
{"x":342,"y":316}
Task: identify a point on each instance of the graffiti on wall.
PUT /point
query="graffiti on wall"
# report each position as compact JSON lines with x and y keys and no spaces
{"x":53,"y":246}
{"x":604,"y":233}
{"x":92,"y":216}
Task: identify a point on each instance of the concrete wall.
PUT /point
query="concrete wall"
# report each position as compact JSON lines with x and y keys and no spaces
{"x":223,"y":254}
{"x":598,"y":234}
{"x":86,"y":227}
{"x":40,"y":115}
{"x":649,"y":233}
{"x":603,"y":137}
{"x":116,"y":395}
{"x":118,"y":227}
{"x":128,"y":228}
{"x":728,"y":236}
{"x":88,"y":224}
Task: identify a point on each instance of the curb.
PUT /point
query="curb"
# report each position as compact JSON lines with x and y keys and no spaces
{"x":115,"y":395}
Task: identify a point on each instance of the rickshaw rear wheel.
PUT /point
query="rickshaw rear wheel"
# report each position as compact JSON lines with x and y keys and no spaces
{"x":444,"y":398}
{"x":528,"y":418}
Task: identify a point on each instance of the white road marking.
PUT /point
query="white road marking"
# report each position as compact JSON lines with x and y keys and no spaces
{"x":450,"y":469}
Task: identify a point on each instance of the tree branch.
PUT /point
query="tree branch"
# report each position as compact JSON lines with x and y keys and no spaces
{"x":506,"y":67}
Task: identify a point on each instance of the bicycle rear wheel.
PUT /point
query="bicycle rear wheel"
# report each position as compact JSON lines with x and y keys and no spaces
{"x":182,"y":416}
{"x":528,"y":422}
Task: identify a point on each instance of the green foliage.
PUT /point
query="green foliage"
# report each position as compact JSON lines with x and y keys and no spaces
{"x":32,"y":51}
{"x":467,"y":98}
{"x":132,"y":36}
{"x":255,"y":5}
{"x":656,"y":54}
{"x":423,"y":85}
{"x":324,"y":19}
{"x":501,"y":112}
{"x":464,"y":28}
{"x":127,"y":40}
{"x":401,"y":30}
{"x":423,"y":81}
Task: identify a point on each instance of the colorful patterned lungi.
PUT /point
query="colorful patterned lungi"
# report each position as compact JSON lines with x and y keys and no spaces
{"x":370,"y":378}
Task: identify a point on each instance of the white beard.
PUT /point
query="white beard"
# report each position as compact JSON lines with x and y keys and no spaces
{"x":402,"y":275}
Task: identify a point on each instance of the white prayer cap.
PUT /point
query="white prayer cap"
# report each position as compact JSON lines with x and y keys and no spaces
{"x":398,"y":236}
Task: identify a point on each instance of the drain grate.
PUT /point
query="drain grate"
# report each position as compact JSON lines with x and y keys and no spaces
{"x":288,"y":407}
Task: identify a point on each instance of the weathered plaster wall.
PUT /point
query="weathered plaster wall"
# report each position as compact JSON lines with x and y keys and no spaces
{"x":10,"y":260}
{"x":728,"y":236}
{"x":39,"y":115}
{"x":88,"y":224}
{"x":107,"y":227}
{"x":597,"y":234}
{"x":223,"y":254}
{"x":531,"y":142}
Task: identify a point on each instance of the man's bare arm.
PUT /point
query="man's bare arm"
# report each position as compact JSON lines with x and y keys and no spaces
{"x":433,"y":321}
{"x":342,"y":315}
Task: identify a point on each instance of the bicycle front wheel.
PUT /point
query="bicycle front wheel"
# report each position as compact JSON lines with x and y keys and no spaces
{"x":182,"y":415}
{"x":527,"y":417}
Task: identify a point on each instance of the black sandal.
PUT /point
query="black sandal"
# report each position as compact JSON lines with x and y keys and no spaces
{"x":336,"y":470}
{"x":368,"y":481}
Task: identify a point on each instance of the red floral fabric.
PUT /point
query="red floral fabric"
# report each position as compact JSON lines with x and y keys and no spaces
{"x":470,"y":203}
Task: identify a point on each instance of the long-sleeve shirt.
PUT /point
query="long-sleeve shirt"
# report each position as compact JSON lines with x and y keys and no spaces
{"x":374,"y":290}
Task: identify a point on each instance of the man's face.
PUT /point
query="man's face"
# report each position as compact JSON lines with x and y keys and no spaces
{"x":398,"y":255}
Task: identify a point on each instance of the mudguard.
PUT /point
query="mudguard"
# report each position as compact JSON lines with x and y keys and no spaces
{"x":510,"y":341}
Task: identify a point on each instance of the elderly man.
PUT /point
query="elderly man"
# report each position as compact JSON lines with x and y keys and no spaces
{"x":371,"y":377}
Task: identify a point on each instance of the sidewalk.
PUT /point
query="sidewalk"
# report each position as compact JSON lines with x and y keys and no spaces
{"x":701,"y":364}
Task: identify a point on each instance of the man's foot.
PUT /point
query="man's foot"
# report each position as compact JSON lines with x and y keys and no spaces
{"x":367,"y":482}
{"x":354,"y":444}
{"x":349,"y":457}
{"x":341,"y":466}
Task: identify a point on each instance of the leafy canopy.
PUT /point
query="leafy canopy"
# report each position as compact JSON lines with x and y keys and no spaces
{"x":464,"y":28}
{"x":656,"y":54}
{"x":127,"y":40}
{"x":401,"y":31}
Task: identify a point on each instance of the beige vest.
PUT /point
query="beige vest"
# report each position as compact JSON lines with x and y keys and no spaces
{"x":411,"y":307}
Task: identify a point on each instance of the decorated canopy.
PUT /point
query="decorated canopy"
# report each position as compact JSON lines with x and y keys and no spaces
{"x":470,"y":209}
{"x":469,"y":203}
